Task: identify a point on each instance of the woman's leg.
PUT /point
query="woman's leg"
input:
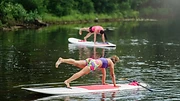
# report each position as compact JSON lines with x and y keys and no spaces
{"x":85,"y":70}
{"x":87,"y":36}
{"x":78,"y":63}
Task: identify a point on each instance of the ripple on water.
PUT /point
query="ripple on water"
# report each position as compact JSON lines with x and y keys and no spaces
{"x":172,"y":44}
{"x":133,"y":42}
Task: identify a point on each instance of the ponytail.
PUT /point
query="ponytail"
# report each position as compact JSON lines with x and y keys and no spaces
{"x":103,"y":32}
{"x":105,"y":36}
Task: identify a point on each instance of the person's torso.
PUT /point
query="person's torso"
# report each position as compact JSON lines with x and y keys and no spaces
{"x":104,"y":62}
{"x":100,"y":63}
{"x":97,"y":29}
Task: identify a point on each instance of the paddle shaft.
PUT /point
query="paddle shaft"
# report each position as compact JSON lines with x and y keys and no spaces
{"x":140,"y":85}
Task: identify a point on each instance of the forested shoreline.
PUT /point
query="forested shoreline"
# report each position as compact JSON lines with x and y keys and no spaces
{"x":43,"y":12}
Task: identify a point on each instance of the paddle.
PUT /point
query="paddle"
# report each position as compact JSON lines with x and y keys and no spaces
{"x":138,"y":84}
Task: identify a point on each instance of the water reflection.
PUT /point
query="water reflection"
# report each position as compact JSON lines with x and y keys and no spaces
{"x":149,"y":53}
{"x":96,"y":96}
{"x":89,"y":52}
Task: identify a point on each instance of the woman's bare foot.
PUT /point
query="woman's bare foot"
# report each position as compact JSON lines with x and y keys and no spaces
{"x":67,"y":84}
{"x":59,"y":61}
{"x":85,"y":40}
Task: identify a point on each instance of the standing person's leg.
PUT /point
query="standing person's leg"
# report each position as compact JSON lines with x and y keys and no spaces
{"x":85,"y":70}
{"x":87,"y":36}
{"x":83,"y":29}
{"x":78,"y":63}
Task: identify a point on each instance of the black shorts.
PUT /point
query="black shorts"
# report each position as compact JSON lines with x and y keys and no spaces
{"x":90,"y":29}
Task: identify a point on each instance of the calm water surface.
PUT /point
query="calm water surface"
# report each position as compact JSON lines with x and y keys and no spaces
{"x":149,"y":53}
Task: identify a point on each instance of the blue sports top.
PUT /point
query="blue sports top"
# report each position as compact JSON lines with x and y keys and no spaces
{"x":104,"y":62}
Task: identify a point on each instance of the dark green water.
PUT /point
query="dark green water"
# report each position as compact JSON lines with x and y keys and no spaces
{"x":149,"y":53}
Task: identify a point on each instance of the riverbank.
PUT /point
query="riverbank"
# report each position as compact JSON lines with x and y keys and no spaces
{"x":38,"y":23}
{"x":100,"y":20}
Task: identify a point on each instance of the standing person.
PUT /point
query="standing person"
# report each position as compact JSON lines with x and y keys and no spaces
{"x":90,"y":65}
{"x":94,"y":30}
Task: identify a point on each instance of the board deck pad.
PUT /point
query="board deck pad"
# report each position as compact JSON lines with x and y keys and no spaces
{"x":90,"y":43}
{"x":98,"y":87}
{"x":83,"y":89}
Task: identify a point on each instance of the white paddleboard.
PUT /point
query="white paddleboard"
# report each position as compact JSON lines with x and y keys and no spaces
{"x":90,"y":43}
{"x":84,"y":89}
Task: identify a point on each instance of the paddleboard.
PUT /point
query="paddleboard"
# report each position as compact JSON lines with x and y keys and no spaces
{"x":84,"y":89}
{"x":90,"y":43}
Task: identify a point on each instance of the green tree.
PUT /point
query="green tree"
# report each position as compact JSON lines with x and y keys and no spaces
{"x":12,"y":12}
{"x":105,"y":6}
{"x":61,"y":7}
{"x":32,"y":5}
{"x":84,"y":6}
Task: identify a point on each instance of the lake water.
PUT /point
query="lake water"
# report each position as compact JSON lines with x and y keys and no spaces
{"x":149,"y":52}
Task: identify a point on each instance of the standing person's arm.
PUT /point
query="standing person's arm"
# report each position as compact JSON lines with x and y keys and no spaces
{"x":103,"y":38}
{"x":96,"y":31}
{"x":94,"y":37}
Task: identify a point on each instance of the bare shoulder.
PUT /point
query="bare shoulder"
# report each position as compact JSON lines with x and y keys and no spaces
{"x":110,"y":61}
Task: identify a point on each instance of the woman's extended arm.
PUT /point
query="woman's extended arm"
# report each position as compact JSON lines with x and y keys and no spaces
{"x":103,"y":76}
{"x":112,"y":73}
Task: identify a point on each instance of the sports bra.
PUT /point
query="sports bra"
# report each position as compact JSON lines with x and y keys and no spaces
{"x":104,"y":62}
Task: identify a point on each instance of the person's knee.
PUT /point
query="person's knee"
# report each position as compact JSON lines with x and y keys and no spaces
{"x":74,"y":62}
{"x":78,"y":74}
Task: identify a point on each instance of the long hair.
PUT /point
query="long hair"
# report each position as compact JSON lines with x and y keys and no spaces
{"x":103,"y":32}
{"x":114,"y":59}
{"x":105,"y":36}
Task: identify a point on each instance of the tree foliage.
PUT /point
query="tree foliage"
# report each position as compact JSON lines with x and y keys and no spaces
{"x":84,"y":6}
{"x":29,"y":9}
{"x":60,"y":7}
{"x":11,"y":12}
